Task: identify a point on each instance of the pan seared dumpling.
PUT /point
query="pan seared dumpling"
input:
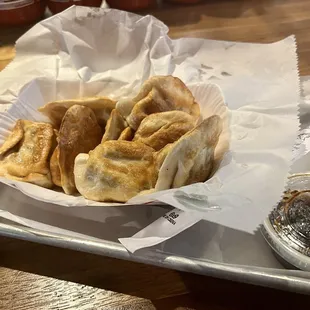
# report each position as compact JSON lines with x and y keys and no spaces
{"x":161,"y":94}
{"x":54,"y":167}
{"x":101,"y":106}
{"x":26,"y":152}
{"x":127,"y":134}
{"x":115,"y":171}
{"x":191,"y":158}
{"x":115,"y":126}
{"x":79,"y":133}
{"x":160,"y":129}
{"x":15,"y":136}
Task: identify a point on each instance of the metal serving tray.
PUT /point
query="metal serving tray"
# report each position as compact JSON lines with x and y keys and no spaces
{"x":272,"y":274}
{"x":291,"y":280}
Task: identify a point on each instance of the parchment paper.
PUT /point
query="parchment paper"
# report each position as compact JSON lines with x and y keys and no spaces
{"x":86,"y":51}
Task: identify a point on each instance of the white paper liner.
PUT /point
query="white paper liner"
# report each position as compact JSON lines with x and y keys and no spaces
{"x":92,"y":51}
{"x":164,"y":228}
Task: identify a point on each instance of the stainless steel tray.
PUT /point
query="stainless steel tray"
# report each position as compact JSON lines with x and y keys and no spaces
{"x":291,"y":280}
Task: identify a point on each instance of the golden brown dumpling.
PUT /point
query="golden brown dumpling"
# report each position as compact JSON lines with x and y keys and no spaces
{"x":160,"y":129}
{"x":159,"y":94}
{"x":115,"y":171}
{"x":115,"y":126}
{"x":54,"y":167}
{"x":101,"y":106}
{"x":15,"y":136}
{"x":26,"y":152}
{"x":79,"y":133}
{"x":191,"y":158}
{"x":127,"y":134}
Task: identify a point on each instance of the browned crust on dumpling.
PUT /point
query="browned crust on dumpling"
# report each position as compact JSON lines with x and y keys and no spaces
{"x":28,"y":160}
{"x":79,"y":133}
{"x":54,"y":167}
{"x":159,"y":129}
{"x":115,"y":126}
{"x":101,"y":106}
{"x":15,"y":136}
{"x":161,"y":94}
{"x":191,"y":158}
{"x":127,"y":134}
{"x":115,"y":171}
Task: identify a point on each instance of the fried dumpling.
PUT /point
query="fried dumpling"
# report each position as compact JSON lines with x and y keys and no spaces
{"x":79,"y":133}
{"x":115,"y":126}
{"x":15,"y":136}
{"x":115,"y":171}
{"x":160,"y":129}
{"x":54,"y":167}
{"x":159,"y":94}
{"x":191,"y":158}
{"x":127,"y":134}
{"x":101,"y":106}
{"x":26,"y":152}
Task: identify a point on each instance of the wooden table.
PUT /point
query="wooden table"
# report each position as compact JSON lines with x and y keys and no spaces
{"x":34,"y":276}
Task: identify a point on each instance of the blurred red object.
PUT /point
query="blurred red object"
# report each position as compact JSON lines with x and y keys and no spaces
{"x":131,"y":5}
{"x":19,"y":12}
{"x":57,"y":6}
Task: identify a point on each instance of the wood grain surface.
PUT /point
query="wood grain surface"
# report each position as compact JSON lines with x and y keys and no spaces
{"x":34,"y":276}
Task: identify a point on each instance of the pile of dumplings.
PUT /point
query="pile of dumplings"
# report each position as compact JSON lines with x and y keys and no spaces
{"x":112,"y":151}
